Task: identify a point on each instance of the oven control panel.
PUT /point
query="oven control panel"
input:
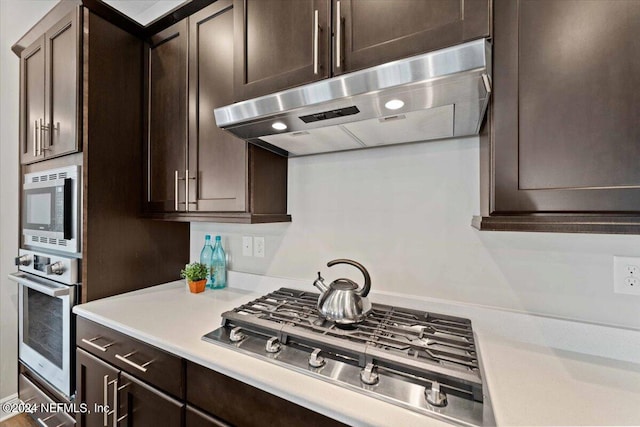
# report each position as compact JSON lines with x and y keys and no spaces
{"x":53,"y":267}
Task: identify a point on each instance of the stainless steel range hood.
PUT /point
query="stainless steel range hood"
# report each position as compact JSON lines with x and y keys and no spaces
{"x":441,"y":94}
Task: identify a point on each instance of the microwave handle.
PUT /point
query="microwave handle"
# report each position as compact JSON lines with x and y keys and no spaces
{"x":68,"y":206}
{"x":45,"y":288}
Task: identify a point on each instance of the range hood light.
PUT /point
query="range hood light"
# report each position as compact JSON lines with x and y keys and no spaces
{"x":394,"y":104}
{"x":279,"y":126}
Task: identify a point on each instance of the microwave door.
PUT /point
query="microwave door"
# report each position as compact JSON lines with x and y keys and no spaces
{"x":47,"y":208}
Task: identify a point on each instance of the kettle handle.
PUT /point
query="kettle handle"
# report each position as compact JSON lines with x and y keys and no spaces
{"x":367,"y":279}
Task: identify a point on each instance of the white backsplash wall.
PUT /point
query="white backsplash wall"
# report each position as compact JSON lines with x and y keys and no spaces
{"x":405,"y":213}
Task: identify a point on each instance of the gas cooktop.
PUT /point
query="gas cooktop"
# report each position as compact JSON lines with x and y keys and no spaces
{"x":423,"y":361}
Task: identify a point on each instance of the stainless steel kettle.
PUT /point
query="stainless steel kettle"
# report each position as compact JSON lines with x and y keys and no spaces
{"x":342,"y":302}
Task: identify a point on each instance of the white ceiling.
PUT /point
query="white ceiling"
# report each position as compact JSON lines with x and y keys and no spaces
{"x":144,"y":11}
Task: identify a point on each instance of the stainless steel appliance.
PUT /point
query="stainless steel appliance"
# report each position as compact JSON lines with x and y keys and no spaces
{"x":422,"y":361}
{"x":47,"y":293}
{"x":436,"y":95}
{"x":50,"y":211}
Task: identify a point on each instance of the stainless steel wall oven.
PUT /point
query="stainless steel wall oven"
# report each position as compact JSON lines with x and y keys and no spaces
{"x":47,"y":292}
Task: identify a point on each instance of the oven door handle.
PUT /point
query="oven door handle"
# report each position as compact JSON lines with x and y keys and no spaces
{"x":44,"y":286}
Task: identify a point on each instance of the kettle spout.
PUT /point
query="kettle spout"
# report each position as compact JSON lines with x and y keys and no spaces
{"x":319,"y":283}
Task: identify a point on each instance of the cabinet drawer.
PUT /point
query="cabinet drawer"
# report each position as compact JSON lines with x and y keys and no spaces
{"x":157,"y":367}
{"x":218,"y":394}
{"x":30,"y":394}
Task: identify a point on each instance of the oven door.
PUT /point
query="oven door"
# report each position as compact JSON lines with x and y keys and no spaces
{"x":47,"y":208}
{"x":45,"y":328}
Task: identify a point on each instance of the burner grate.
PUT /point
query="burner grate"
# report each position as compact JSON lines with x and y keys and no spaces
{"x":408,"y":336}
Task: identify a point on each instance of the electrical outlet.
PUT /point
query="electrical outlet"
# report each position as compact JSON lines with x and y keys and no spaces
{"x":626,"y":275}
{"x":258,"y":247}
{"x":247,"y":246}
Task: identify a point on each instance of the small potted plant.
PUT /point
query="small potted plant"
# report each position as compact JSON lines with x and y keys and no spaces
{"x":196,"y":275}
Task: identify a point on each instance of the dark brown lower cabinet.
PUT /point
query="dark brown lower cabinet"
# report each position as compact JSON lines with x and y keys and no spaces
{"x":220,"y":395}
{"x":110,"y":372}
{"x":95,"y":381}
{"x":141,"y":405}
{"x":115,"y":398}
{"x":213,"y":400}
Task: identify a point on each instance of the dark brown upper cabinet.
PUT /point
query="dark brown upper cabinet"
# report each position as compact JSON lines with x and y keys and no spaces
{"x":561,"y":146}
{"x":166,"y":144}
{"x":285,"y":43}
{"x":372,"y":32}
{"x":194,"y":170}
{"x":280,"y":44}
{"x":49,"y":100}
{"x":217,"y":159}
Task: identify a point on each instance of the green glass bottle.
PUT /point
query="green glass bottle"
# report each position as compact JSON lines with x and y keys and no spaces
{"x":219,"y":270}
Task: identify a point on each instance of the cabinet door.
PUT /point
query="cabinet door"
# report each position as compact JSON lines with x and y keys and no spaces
{"x":565,"y":106}
{"x":95,"y":383}
{"x":166,"y":119}
{"x":32,"y":77}
{"x":61,"y":130}
{"x":280,"y":44}
{"x":141,"y":405}
{"x":372,"y":32}
{"x":217,"y":159}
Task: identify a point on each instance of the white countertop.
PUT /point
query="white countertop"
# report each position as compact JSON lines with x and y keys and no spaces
{"x":554,"y":377}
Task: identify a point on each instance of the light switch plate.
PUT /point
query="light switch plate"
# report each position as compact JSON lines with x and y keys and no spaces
{"x":626,"y":275}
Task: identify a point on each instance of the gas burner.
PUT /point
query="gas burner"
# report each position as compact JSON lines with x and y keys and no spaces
{"x":395,"y":354}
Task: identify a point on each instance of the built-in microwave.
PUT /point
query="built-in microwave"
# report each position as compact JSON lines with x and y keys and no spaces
{"x":50,"y":215}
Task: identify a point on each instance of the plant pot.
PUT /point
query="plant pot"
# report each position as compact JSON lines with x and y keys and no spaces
{"x":197,"y":287}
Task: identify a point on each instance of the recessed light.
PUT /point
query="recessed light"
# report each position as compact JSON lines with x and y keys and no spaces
{"x":394,"y":104}
{"x":279,"y":126}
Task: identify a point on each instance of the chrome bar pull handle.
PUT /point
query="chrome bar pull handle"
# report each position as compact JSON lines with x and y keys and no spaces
{"x":35,"y":139}
{"x":105,"y":400}
{"x":43,"y":128}
{"x":43,"y":421}
{"x":338,"y":33}
{"x":187,"y":178}
{"x":315,"y":41}
{"x":41,"y":138}
{"x":50,"y":128}
{"x":142,"y":368}
{"x":114,"y":411}
{"x":90,"y":342}
{"x":175,"y":189}
{"x":186,"y":190}
{"x":115,"y":402}
{"x":116,"y":418}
